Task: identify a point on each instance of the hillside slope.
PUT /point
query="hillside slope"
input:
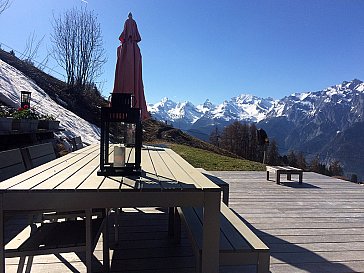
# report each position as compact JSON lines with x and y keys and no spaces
{"x":158,"y":132}
{"x":83,"y":103}
{"x":12,"y":81}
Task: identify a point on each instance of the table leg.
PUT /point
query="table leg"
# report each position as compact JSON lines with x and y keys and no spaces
{"x":116,"y":225}
{"x":278,"y":177}
{"x":171,"y":212}
{"x":88,"y":241}
{"x":225,"y":195}
{"x":105,"y":240}
{"x":2,"y":244}
{"x":211,"y":233}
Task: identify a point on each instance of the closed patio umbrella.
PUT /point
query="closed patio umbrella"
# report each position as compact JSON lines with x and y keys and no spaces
{"x":128,"y":74}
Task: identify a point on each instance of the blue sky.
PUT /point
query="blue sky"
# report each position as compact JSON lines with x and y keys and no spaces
{"x":193,"y":50}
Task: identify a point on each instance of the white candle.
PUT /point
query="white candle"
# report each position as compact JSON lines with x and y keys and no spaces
{"x":119,"y":156}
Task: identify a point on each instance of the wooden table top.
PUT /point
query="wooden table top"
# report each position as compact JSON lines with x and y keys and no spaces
{"x":162,"y":170}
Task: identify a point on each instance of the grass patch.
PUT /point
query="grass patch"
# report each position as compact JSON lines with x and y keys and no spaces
{"x":214,"y":162}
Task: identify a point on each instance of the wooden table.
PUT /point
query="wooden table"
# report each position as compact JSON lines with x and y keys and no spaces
{"x":71,"y":183}
{"x":288,"y":170}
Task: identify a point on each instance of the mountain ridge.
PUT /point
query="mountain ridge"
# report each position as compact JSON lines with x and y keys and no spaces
{"x":309,"y":121}
{"x":247,"y":107}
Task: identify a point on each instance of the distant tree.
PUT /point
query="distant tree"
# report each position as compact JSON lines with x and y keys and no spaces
{"x":301,"y":161}
{"x":241,"y":139}
{"x":245,"y":141}
{"x":335,"y":168}
{"x":231,"y":139}
{"x":4,"y":4}
{"x":354,"y":178}
{"x":253,"y":153}
{"x":215,"y":137}
{"x":12,"y":52}
{"x":292,"y":159}
{"x":315,"y":165}
{"x":284,"y":160}
{"x":272,"y":153}
{"x":78,"y":46}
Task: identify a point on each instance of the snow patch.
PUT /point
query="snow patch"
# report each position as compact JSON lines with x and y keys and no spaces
{"x":12,"y":82}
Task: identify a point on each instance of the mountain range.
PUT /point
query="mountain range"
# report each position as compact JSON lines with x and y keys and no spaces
{"x":328,"y":123}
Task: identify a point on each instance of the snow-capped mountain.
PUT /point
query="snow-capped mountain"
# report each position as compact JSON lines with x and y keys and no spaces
{"x":345,"y":97}
{"x":12,"y":81}
{"x":254,"y":109}
{"x":328,"y":123}
{"x":243,"y":107}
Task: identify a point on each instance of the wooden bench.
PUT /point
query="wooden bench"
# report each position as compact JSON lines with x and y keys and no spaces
{"x":288,"y":170}
{"x":221,"y":183}
{"x":11,"y":164}
{"x":76,"y":143}
{"x":37,"y":155}
{"x":238,"y":244}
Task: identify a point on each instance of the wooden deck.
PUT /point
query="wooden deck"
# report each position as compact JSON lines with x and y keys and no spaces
{"x":315,"y":227}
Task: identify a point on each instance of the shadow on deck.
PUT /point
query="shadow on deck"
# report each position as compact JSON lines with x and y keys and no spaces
{"x":316,"y":227}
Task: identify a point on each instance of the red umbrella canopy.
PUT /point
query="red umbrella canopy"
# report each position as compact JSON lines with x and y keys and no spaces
{"x":128,"y":74}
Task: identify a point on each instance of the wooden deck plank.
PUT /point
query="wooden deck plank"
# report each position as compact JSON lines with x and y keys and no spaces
{"x":111,"y":183}
{"x":23,"y":177}
{"x":166,"y":177}
{"x":314,"y":227}
{"x":179,"y":166}
{"x":315,"y":247}
{"x":184,"y":179}
{"x":93,"y":181}
{"x":150,"y":178}
{"x":329,"y":267}
{"x":26,"y":181}
{"x":160,"y":179}
{"x":82,"y":174}
{"x":78,"y":168}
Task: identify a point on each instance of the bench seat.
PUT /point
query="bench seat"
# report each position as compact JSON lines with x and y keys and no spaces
{"x":221,"y":183}
{"x":58,"y":237}
{"x":238,"y":244}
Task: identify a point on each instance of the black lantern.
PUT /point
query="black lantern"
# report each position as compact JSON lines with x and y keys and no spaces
{"x":25,"y":98}
{"x":121,"y":111}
